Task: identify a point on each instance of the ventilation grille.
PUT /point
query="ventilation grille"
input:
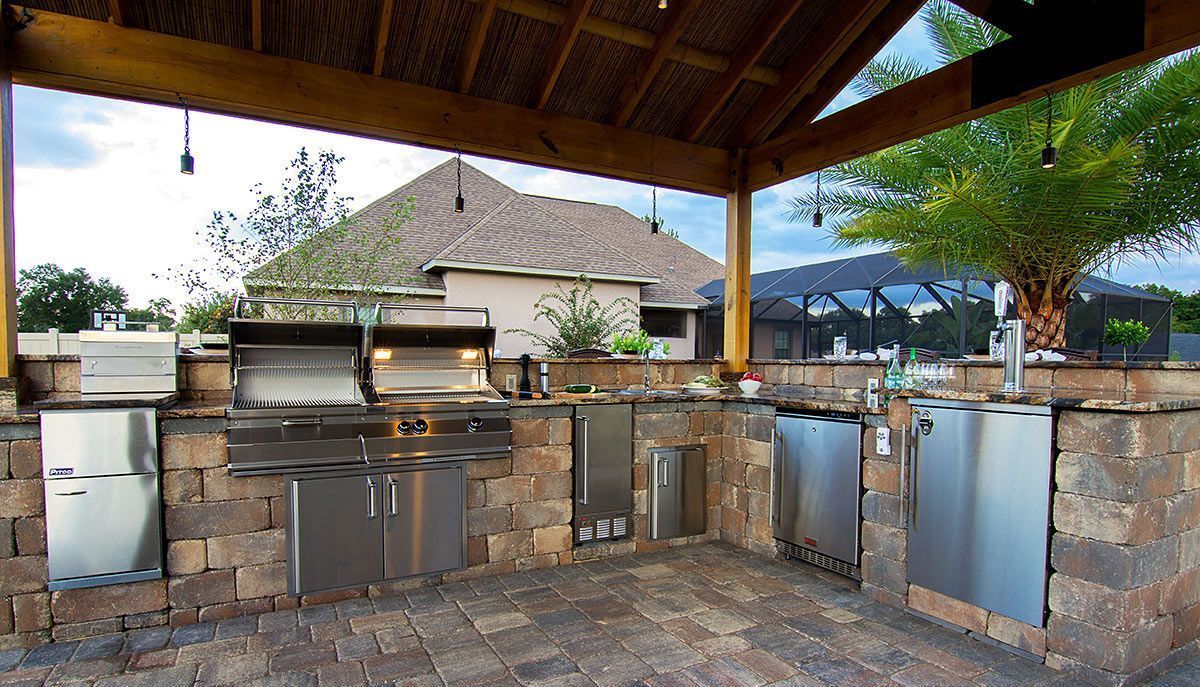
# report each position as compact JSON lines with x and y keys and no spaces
{"x":818,"y":559}
{"x":618,"y":527}
{"x":602,"y":528}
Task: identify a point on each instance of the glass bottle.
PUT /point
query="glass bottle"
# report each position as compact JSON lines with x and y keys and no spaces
{"x":910,"y":370}
{"x":894,"y":379}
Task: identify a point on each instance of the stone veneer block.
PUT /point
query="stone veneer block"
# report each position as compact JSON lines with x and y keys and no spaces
{"x":951,"y":610}
{"x":1119,"y":566}
{"x":1119,"y":479}
{"x":1017,"y":634}
{"x":1116,"y":609}
{"x":1110,"y":650}
{"x":94,"y":603}
{"x":1110,"y":521}
{"x":1131,"y":435}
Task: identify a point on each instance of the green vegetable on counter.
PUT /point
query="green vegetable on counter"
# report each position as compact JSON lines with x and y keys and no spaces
{"x":581,"y":389}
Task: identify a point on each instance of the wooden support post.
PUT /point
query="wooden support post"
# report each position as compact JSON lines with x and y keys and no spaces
{"x":737,"y":268}
{"x":8,"y":267}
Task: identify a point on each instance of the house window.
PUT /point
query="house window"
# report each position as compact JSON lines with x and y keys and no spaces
{"x":665,"y":324}
{"x":783,"y":344}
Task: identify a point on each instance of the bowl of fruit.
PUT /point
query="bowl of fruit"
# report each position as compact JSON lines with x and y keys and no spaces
{"x":750,"y":383}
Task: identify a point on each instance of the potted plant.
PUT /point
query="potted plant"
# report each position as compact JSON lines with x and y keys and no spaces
{"x":630,"y":344}
{"x":1125,"y":334}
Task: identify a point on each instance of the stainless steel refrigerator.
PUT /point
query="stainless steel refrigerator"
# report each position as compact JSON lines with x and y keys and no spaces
{"x":603,"y":472}
{"x":103,"y":508}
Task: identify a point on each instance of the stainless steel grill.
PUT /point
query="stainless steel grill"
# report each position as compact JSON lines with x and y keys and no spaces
{"x":326,"y":393}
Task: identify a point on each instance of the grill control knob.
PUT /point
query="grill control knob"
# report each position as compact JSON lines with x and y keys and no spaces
{"x":474,"y":424}
{"x":404,"y":427}
{"x":420,"y":426}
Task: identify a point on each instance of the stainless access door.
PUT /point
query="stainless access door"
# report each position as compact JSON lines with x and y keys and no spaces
{"x":98,"y":441}
{"x":603,"y":458}
{"x":102,"y":526}
{"x":677,"y":481}
{"x":817,"y":483}
{"x":979,"y":498}
{"x":424,"y":527}
{"x":336,"y":532}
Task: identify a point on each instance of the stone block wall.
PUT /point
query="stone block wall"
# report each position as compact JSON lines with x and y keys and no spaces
{"x":24,"y":604}
{"x":745,"y":481}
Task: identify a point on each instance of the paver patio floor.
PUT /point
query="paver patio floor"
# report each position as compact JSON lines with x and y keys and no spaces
{"x":701,"y":615}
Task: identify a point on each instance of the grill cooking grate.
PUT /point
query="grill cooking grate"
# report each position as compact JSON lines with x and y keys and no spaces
{"x":295,"y":377}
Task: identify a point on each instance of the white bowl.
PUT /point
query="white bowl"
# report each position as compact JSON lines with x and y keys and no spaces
{"x":749,"y":386}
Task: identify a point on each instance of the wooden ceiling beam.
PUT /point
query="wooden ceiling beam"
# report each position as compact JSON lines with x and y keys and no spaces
{"x":761,"y":34}
{"x":256,"y":25}
{"x":838,"y":76}
{"x":117,"y":13}
{"x":473,"y":44}
{"x":678,"y":15}
{"x":87,"y":56}
{"x":383,"y":31}
{"x":542,"y":10}
{"x":560,"y":50}
{"x":1110,"y":36}
{"x":846,"y":25}
{"x":1013,"y":17}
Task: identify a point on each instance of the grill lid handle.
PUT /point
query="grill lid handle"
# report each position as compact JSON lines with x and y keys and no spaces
{"x":302,"y":422}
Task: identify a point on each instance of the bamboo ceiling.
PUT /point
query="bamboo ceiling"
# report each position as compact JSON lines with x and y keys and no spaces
{"x":426,"y":39}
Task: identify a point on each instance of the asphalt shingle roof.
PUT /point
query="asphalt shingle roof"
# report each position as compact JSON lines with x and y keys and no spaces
{"x":501,"y":226}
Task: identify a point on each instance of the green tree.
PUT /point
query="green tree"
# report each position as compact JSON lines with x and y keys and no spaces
{"x":300,"y":241}
{"x":579,"y":319}
{"x":48,"y":296}
{"x":159,"y":311}
{"x":976,"y":194}
{"x":1185,"y":308}
{"x":209,"y":313}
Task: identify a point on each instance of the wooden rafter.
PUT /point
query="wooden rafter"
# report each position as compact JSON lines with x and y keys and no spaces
{"x":1129,"y":33}
{"x":1013,"y":17}
{"x":848,"y":23}
{"x":473,"y":45}
{"x":88,"y":56}
{"x":760,"y":36}
{"x":678,"y":15}
{"x":117,"y":13}
{"x":383,"y":29}
{"x":842,"y":72}
{"x":560,"y":50}
{"x":256,"y":25}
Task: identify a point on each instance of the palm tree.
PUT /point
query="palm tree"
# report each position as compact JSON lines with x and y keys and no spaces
{"x":1127,"y":182}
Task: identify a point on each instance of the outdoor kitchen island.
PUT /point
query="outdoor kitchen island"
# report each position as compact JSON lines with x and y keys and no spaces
{"x":1123,"y":592}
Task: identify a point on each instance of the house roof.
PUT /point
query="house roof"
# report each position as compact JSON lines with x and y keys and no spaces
{"x":504,"y":230}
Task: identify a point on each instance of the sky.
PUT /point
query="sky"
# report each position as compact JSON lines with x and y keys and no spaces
{"x":98,"y":186}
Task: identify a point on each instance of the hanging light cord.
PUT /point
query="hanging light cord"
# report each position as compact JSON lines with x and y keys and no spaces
{"x":818,"y":189}
{"x":458,"y":171}
{"x":187,"y":127}
{"x":1049,"y":115}
{"x":654,"y":202}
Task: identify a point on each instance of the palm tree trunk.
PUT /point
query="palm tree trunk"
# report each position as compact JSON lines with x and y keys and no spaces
{"x":1045,"y":313}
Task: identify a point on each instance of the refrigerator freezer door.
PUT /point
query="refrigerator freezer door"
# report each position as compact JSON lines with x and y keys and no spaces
{"x":677,"y":478}
{"x":603,"y":458}
{"x":102,"y":525}
{"x":818,"y":484}
{"x":98,"y":442}
{"x":980,"y":504}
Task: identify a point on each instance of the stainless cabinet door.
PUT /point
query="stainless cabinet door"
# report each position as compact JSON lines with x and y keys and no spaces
{"x":979,"y":516}
{"x":337,"y":532}
{"x":818,"y":484}
{"x":424,"y":524}
{"x":98,"y":442}
{"x":603,"y":458}
{"x":677,"y":494}
{"x":102,"y":525}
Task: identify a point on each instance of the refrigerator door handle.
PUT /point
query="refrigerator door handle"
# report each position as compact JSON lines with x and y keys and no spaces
{"x":903,"y":486}
{"x":70,"y":493}
{"x":914,"y":474}
{"x":583,"y":421}
{"x":776,"y":439}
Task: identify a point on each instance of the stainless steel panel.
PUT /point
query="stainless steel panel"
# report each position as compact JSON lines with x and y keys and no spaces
{"x":136,"y":366}
{"x":98,"y":441}
{"x":677,"y":492}
{"x":102,"y":525}
{"x":980,"y":504}
{"x":89,"y":384}
{"x":335,"y":532}
{"x":817,"y":484}
{"x":603,"y":458}
{"x":424,"y":527}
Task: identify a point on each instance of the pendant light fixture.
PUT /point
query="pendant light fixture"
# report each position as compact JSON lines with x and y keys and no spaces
{"x":662,"y":4}
{"x":1049,"y":153}
{"x":818,"y":218}
{"x":654,"y":223}
{"x":187,"y":164}
{"x":459,"y":203}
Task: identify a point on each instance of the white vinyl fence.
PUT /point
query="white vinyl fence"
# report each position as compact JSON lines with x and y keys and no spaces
{"x":54,"y":343}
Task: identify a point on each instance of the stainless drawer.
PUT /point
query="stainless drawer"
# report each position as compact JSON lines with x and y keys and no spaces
{"x":97,"y":442}
{"x":110,"y":366}
{"x":102,"y":526}
{"x":109,"y":348}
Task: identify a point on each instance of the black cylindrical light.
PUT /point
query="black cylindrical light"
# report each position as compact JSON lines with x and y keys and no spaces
{"x":818,"y":217}
{"x":187,"y":163}
{"x":1049,"y":153}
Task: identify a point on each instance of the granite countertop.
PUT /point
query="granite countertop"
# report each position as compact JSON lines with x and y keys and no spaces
{"x":83,"y":401}
{"x":1079,"y":399}
{"x":797,"y":397}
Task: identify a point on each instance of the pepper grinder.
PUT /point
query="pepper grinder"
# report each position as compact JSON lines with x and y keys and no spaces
{"x":525,"y":385}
